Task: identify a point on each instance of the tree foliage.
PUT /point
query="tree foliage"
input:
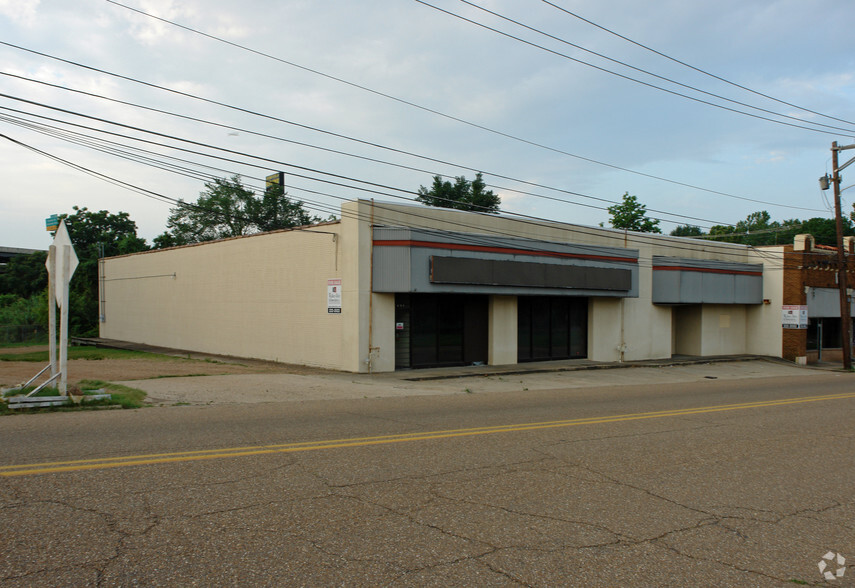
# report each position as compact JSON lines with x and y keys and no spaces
{"x":460,"y":195}
{"x":632,"y":215}
{"x":226,"y":208}
{"x":687,"y":231}
{"x":24,"y":275}
{"x":759,"y":229}
{"x":23,"y":283}
{"x":92,"y":233}
{"x":20,"y":310}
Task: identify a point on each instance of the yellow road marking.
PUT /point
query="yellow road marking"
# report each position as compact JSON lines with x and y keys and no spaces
{"x":159,"y":458}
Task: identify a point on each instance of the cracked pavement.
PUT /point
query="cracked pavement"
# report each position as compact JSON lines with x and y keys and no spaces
{"x":749,"y":497}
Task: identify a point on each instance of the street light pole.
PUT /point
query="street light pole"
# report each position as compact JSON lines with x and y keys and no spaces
{"x":845,"y":322}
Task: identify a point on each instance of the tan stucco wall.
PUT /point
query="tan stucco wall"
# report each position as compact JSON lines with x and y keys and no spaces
{"x":688,"y":330}
{"x":502,"y":330}
{"x":604,"y":332}
{"x":723,"y":329}
{"x":263,"y":296}
{"x":710,"y":329}
{"x":764,"y":335}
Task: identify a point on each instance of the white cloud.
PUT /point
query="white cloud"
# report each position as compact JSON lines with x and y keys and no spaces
{"x":22,"y":12}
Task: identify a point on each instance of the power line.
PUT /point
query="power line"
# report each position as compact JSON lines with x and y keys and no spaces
{"x":508,"y":189}
{"x":388,"y":96}
{"x":697,"y":69}
{"x":399,"y":151}
{"x":374,"y":160}
{"x":208,"y":176}
{"x":317,"y":205}
{"x":636,"y":80}
{"x":230,"y":151}
{"x":733,"y":250}
{"x":644,"y":71}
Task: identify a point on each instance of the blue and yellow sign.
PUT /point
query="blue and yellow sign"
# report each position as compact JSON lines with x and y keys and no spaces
{"x":52,"y":223}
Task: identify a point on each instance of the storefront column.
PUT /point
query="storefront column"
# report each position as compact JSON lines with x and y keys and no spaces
{"x":502,"y":331}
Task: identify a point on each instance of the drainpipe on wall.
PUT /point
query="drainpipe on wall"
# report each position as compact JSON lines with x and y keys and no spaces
{"x":370,"y":358}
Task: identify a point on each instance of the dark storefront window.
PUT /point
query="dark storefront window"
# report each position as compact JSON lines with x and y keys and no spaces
{"x":830,"y":332}
{"x":441,"y":330}
{"x":551,"y":328}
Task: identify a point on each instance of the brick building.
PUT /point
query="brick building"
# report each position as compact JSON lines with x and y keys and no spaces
{"x":810,"y":280}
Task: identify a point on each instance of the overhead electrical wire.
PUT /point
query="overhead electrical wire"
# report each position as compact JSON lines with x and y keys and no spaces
{"x":624,"y":64}
{"x":233,"y":152}
{"x":391,"y":195}
{"x":697,"y":69}
{"x":380,"y":161}
{"x":615,"y":234}
{"x":371,"y":191}
{"x":733,"y":250}
{"x":388,"y":96}
{"x":626,"y":77}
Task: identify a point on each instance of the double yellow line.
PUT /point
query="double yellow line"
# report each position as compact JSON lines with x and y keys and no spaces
{"x":161,"y":458}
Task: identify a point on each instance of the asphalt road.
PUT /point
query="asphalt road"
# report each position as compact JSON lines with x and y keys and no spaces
{"x":710,"y":483}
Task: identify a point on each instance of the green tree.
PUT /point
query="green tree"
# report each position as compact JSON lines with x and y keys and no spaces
{"x":226,"y":208}
{"x":687,"y":231}
{"x":24,"y":275}
{"x":91,"y":234}
{"x":632,"y":215}
{"x":824,"y":230}
{"x":274,"y":210}
{"x":461,"y":195}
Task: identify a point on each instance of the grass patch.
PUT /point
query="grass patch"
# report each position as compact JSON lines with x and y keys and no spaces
{"x":85,"y":352}
{"x":39,"y":341}
{"x":123,"y":396}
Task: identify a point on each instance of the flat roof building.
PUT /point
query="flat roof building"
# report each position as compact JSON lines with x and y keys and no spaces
{"x":394,"y":286}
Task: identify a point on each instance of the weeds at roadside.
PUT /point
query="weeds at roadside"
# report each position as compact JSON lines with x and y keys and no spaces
{"x":120,"y":397}
{"x":84,"y":352}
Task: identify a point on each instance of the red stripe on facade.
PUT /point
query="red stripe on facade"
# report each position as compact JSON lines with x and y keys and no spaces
{"x":511,"y":250}
{"x":709,"y":270}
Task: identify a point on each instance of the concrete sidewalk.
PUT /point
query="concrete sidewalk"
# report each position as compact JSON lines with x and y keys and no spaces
{"x":442,"y":373}
{"x":289,"y":387}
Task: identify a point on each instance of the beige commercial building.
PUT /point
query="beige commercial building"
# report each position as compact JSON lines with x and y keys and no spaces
{"x":393,"y":286}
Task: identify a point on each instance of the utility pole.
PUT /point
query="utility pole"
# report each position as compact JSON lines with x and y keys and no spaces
{"x":845,"y":320}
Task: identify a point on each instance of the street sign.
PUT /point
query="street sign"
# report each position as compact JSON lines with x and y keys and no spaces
{"x":60,"y":240}
{"x":51,"y":223}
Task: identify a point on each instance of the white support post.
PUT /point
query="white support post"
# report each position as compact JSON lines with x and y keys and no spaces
{"x":63,"y":323}
{"x":52,"y":276}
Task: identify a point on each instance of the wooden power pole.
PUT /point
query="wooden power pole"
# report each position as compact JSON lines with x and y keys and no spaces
{"x":845,"y":320}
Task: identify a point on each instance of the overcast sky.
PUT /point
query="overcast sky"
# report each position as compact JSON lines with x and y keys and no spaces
{"x":413,"y":79}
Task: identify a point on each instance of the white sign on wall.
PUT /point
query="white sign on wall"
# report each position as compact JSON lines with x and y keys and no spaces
{"x":334,"y":296}
{"x":794,"y":316}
